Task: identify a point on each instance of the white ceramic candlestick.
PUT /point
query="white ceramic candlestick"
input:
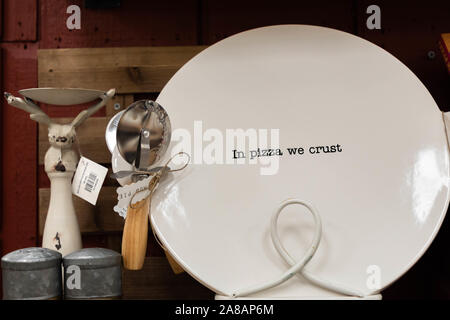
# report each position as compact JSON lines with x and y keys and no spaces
{"x":61,"y":231}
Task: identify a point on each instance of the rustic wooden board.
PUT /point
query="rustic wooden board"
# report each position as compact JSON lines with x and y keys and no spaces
{"x":134,"y":23}
{"x":73,"y":111}
{"x":91,"y":137}
{"x":122,"y":101}
{"x":99,"y":218}
{"x":129,"y":70}
{"x":176,"y":268}
{"x":114,"y":242}
{"x":19,"y":20}
{"x":157,"y":281}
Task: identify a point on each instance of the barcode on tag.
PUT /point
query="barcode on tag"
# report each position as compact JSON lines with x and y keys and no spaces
{"x":88,"y":180}
{"x":91,"y":182}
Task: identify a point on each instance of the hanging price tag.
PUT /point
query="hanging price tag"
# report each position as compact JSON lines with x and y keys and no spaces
{"x":88,"y":180}
{"x":136,"y":191}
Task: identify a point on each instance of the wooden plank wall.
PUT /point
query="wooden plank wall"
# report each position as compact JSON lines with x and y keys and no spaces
{"x":102,"y":68}
{"x":410,"y":30}
{"x":130,"y":70}
{"x":156,"y":281}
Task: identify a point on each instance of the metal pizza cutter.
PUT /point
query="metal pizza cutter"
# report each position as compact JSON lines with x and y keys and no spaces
{"x":142,"y":137}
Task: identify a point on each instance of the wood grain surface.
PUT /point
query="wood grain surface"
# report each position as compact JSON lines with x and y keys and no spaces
{"x":157,"y":281}
{"x":135,"y":235}
{"x":129,"y":70}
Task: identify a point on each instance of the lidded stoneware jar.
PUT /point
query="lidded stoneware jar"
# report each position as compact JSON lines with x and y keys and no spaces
{"x":93,"y":273}
{"x":32,"y":273}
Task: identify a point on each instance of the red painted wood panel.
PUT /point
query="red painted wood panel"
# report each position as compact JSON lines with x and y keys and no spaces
{"x":19,"y":149}
{"x":224,"y":18}
{"x":1,"y":19}
{"x":69,"y":111}
{"x":135,"y":23}
{"x":1,"y":153}
{"x":19,"y":20}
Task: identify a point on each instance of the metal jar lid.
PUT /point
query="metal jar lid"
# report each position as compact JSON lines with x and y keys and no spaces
{"x":91,"y":258}
{"x":31,"y":259}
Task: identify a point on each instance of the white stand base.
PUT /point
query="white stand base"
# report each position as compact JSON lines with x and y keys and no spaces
{"x":61,"y":231}
{"x":371,"y":297}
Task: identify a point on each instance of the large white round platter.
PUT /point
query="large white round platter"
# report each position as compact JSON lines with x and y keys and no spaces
{"x":382,"y":198}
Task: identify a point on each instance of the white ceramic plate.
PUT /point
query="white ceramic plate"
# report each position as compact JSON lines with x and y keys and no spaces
{"x":382,"y":199}
{"x":61,"y":96}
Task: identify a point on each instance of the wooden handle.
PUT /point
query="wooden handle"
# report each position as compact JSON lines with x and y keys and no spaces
{"x":176,"y":268}
{"x":135,"y":233}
